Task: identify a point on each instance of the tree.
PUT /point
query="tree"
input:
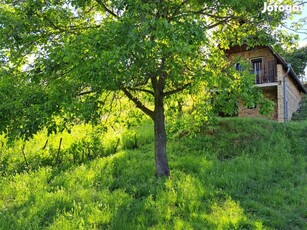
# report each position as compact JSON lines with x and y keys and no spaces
{"x":298,"y":60}
{"x":148,"y":50}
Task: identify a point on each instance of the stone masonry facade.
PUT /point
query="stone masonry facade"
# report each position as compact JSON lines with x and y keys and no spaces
{"x":271,"y":94}
{"x":274,"y":90}
{"x":293,"y":96}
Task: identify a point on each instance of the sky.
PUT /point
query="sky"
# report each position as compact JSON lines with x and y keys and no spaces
{"x":303,"y":37}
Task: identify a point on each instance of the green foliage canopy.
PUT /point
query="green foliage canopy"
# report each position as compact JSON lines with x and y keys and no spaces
{"x":298,"y":59}
{"x":60,"y":58}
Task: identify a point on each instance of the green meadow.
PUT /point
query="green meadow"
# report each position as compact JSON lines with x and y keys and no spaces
{"x":236,"y":174}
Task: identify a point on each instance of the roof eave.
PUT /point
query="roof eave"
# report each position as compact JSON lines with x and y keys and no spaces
{"x":292,"y":74}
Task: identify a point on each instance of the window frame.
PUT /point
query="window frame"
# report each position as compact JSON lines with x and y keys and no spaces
{"x":259,"y":77}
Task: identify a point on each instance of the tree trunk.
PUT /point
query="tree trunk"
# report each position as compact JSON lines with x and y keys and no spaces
{"x":162,"y":168}
{"x":158,"y":117}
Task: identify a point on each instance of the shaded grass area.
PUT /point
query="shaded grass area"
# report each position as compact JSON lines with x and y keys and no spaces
{"x":239,"y":174}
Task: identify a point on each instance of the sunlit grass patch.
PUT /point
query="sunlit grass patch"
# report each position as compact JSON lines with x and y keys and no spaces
{"x":226,"y":214}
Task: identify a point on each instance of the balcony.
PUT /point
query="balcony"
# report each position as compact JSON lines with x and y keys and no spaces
{"x":264,"y":72}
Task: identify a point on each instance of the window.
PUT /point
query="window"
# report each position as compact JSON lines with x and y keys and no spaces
{"x":257,"y":70}
{"x":238,"y":67}
{"x":271,"y":71}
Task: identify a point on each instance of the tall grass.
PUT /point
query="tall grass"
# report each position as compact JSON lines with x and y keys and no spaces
{"x":81,"y":144}
{"x":239,"y":174}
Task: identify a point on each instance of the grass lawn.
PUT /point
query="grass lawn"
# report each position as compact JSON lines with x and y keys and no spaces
{"x":239,"y":174}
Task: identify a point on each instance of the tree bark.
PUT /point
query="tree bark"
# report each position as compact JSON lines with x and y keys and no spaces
{"x":162,"y":168}
{"x":158,"y":117}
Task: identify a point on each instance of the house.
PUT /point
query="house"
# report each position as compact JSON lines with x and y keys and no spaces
{"x":274,"y":77}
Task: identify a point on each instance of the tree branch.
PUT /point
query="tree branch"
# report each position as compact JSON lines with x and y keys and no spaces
{"x":202,"y":12}
{"x":138,"y":104}
{"x":141,"y":90}
{"x":176,"y":90}
{"x":142,"y":82}
{"x":218,"y":23}
{"x":71,"y":29}
{"x":53,"y":25}
{"x":177,"y":9}
{"x":299,"y":30}
{"x":214,"y":16}
{"x":106,"y":8}
{"x":86,"y":92}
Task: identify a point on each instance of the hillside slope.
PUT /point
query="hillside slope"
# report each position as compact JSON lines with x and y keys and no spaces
{"x":301,"y":114}
{"x":239,"y":174}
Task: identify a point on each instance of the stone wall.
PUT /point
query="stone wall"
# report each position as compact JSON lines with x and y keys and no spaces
{"x":264,"y":53}
{"x":293,"y":95}
{"x":268,"y":92}
{"x":273,"y":92}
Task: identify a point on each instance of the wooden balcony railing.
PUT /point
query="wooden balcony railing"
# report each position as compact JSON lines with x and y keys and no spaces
{"x":266,"y":74}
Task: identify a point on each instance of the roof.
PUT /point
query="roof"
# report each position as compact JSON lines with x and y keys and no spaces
{"x":282,"y":61}
{"x":291,"y":74}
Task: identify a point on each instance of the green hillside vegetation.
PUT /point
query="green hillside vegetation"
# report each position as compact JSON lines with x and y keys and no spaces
{"x":238,"y":174}
{"x":301,"y":114}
